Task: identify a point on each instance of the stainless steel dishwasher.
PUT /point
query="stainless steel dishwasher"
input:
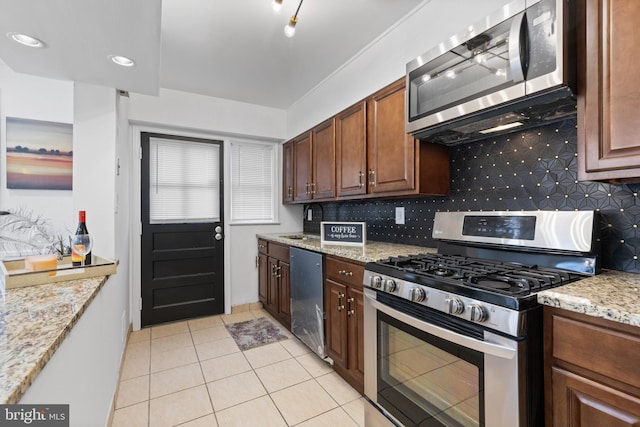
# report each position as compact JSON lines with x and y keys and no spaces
{"x":307,"y":298}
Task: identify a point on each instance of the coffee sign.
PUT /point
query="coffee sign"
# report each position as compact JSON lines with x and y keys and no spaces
{"x":343,"y":233}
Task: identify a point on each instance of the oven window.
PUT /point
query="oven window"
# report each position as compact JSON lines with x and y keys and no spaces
{"x":426,"y":381}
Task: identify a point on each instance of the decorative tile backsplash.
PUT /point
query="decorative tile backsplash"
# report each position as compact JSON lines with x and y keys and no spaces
{"x":528,"y":170}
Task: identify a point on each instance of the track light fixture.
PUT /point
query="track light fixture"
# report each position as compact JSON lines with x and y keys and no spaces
{"x":290,"y":28}
{"x":276,"y":5}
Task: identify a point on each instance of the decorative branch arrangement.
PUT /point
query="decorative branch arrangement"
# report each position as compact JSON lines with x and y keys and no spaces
{"x":24,"y":232}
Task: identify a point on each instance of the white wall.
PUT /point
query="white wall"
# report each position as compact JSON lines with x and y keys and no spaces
{"x":187,"y":114}
{"x":384,"y":61}
{"x":100,"y":139}
{"x":94,"y":146}
{"x":83,"y":371}
{"x":35,"y":98}
{"x":197,"y":112}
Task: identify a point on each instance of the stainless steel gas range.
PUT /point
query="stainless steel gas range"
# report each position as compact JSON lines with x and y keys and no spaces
{"x":455,"y":338}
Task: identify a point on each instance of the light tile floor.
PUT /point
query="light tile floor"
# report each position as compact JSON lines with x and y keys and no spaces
{"x":192,"y":374}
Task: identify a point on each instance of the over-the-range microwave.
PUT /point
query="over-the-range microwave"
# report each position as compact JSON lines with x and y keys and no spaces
{"x":514,"y":69}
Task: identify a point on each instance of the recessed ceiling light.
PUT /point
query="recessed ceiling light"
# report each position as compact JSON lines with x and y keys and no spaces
{"x":122,"y":60}
{"x":25,"y":40}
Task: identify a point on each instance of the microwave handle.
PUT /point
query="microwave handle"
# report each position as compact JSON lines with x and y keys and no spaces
{"x":518,"y":68}
{"x":462,"y":340}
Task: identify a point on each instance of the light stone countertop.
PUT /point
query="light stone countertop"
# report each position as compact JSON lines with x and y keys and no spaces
{"x":612,"y":295}
{"x":371,"y":251}
{"x":34,"y":320}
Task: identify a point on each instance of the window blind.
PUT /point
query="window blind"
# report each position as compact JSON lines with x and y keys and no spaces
{"x":252,"y":182}
{"x":184,"y":181}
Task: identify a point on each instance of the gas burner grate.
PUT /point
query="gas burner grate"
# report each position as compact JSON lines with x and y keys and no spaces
{"x":495,"y":276}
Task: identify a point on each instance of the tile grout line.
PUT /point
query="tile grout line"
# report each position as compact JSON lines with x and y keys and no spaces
{"x":205,"y":383}
{"x":213,"y":409}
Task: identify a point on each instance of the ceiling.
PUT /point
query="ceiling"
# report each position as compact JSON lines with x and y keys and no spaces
{"x":233,"y":49}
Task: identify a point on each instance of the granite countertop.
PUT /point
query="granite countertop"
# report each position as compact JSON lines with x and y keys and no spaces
{"x":34,"y":320}
{"x":612,"y":295}
{"x":371,"y":251}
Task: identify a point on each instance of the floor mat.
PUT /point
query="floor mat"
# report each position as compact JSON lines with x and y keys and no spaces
{"x":254,"y":333}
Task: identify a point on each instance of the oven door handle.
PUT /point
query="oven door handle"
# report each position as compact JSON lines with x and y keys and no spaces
{"x":462,"y":340}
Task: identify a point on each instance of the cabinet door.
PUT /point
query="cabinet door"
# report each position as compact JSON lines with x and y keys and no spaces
{"x":287,"y":172}
{"x":355,"y":336}
{"x":580,"y":402}
{"x":608,"y":91}
{"x":272,"y":288}
{"x":263,"y":277}
{"x":324,"y":161}
{"x":284,"y":301}
{"x":351,"y":151}
{"x":302,"y":167}
{"x":336,"y":322}
{"x":391,"y":152}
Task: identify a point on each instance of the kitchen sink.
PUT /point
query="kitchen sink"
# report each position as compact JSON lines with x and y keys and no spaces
{"x":297,"y":237}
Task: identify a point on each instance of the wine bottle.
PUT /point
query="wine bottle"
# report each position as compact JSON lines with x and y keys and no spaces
{"x":76,"y":259}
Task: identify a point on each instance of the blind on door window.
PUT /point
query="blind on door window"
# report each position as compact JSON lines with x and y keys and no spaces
{"x":184,"y":181}
{"x":252,"y":182}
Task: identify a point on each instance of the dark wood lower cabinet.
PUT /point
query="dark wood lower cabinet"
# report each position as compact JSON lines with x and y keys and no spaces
{"x":336,"y":322}
{"x":284,"y":293}
{"x":591,"y":371}
{"x":263,"y":277}
{"x":344,"y":305}
{"x":586,"y":403}
{"x":274,"y":280}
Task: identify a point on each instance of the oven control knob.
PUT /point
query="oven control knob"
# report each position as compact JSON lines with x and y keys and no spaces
{"x":478,"y":313}
{"x":417,"y":294}
{"x":454,"y":305}
{"x":376,"y":282}
{"x":390,"y":285}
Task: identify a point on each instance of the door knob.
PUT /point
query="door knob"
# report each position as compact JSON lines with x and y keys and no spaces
{"x":218,"y":229}
{"x":218,"y":236}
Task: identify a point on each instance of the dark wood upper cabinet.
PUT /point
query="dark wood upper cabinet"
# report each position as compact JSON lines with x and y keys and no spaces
{"x":302,"y":177}
{"x":287,"y":172}
{"x":364,"y":151}
{"x":608,"y":90}
{"x":323,"y":185}
{"x":351,"y":151}
{"x":391,"y":152}
{"x":398,"y":164}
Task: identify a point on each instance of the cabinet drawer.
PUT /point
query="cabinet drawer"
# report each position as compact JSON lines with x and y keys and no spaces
{"x":262,"y":246}
{"x":598,"y":348}
{"x":278,"y":251}
{"x":344,"y":271}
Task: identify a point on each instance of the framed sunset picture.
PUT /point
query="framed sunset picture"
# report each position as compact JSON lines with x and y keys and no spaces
{"x":39,"y":154}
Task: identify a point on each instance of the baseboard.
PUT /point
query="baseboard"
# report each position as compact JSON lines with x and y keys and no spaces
{"x":246,"y":307}
{"x":115,"y":396}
